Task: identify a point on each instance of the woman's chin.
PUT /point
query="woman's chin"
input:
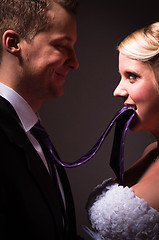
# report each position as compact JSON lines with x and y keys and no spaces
{"x":135,"y":124}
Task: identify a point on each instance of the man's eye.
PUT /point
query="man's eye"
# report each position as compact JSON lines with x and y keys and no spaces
{"x":60,"y":46}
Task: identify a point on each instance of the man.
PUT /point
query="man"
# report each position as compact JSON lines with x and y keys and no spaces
{"x":36,"y":54}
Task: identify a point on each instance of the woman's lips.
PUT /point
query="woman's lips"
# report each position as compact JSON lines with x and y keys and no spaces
{"x":131,"y":106}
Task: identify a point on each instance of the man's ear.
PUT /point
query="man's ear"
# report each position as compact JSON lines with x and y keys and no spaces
{"x":10,"y":41}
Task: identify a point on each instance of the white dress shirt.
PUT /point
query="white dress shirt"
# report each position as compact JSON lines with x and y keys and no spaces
{"x":28,"y":119}
{"x":26,"y":115}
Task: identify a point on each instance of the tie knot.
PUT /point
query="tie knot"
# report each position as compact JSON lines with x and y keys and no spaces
{"x":37,"y":126}
{"x":38,"y":129}
{"x":39,"y":132}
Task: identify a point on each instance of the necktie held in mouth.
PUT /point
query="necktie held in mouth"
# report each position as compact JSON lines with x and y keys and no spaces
{"x":117,"y":155}
{"x":122,"y":120}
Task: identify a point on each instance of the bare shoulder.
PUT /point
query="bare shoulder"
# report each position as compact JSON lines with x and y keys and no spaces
{"x":151,"y":147}
{"x":147,"y":187}
{"x":137,"y":170}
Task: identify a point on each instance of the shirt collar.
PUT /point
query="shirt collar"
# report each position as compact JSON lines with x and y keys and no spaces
{"x":25,"y":113}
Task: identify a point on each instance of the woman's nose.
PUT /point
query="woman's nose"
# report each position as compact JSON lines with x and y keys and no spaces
{"x":120,"y":91}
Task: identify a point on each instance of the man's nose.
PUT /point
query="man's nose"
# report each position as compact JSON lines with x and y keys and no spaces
{"x":73,"y":61}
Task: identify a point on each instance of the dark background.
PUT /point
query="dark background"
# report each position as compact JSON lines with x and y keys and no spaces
{"x":77,"y":119}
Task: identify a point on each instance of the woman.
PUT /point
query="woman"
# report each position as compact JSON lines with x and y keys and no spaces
{"x":131,"y":211}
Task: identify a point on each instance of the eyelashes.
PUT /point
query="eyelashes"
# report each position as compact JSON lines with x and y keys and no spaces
{"x":132,"y":76}
{"x":129,"y":76}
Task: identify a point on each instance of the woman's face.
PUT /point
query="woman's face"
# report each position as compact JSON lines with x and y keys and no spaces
{"x":138,"y":89}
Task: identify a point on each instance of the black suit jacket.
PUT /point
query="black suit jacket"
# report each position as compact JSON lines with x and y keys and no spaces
{"x":29,"y":207}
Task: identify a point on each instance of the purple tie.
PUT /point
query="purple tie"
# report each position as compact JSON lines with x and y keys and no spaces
{"x":42,"y":137}
{"x":117,"y":154}
{"x":122,"y":120}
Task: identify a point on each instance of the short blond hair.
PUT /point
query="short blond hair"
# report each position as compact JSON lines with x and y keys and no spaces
{"x":142,"y":44}
{"x":29,"y":17}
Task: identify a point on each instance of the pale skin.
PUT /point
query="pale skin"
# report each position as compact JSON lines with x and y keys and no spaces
{"x":37,"y":69}
{"x":138,"y":89}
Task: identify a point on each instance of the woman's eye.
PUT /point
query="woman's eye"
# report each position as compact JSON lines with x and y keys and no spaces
{"x":132,"y":76}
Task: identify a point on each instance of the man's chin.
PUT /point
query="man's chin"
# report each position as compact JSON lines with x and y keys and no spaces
{"x":58,"y":91}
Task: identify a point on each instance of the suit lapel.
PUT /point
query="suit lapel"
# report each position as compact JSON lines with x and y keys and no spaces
{"x":10,"y":124}
{"x":69,"y":201}
{"x":68,"y":197}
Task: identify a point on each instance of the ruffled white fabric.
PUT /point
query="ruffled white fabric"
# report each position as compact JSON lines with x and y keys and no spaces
{"x":117,"y":213}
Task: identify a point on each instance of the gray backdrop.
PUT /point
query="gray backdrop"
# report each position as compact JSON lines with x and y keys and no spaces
{"x":77,"y":119}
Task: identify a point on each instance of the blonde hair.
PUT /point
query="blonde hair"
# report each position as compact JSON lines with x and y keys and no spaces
{"x":143,"y":45}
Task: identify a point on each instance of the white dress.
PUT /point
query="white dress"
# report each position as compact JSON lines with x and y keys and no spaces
{"x":116,"y":213}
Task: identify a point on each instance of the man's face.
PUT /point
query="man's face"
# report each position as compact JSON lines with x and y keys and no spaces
{"x":49,"y":57}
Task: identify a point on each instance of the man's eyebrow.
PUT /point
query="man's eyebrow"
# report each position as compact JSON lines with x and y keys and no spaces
{"x":68,"y":38}
{"x":64,"y":38}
